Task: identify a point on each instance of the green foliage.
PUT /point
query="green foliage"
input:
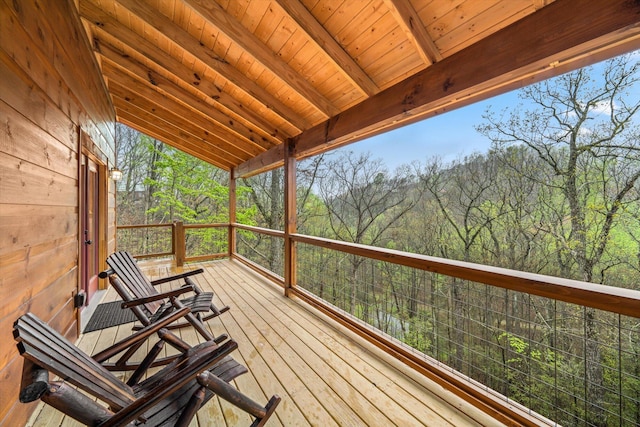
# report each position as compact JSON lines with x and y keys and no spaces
{"x":187,"y":189}
{"x":558,"y":194}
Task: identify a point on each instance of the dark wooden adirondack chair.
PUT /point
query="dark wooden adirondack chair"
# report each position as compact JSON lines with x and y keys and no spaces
{"x":169,"y":397}
{"x":149,"y":305}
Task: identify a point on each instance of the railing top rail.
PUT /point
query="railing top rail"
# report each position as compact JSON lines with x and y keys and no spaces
{"x":216,"y":225}
{"x":143,"y":225}
{"x":261,"y":230}
{"x":609,"y":298}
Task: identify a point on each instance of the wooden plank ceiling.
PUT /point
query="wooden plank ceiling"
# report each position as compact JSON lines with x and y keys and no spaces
{"x":231,"y":81}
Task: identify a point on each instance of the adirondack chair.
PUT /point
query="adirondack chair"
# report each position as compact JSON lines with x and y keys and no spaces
{"x":172,"y":396}
{"x":148,"y":304}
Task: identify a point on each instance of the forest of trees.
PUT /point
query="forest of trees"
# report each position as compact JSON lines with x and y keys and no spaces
{"x":558,"y":193}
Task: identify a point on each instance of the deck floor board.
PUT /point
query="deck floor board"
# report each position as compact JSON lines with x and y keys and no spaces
{"x":325,"y":375}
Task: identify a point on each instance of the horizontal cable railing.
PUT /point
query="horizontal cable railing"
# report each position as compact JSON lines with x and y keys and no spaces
{"x":552,"y":350}
{"x":206,"y":241}
{"x":146,"y":240}
{"x":261,"y":249}
{"x":187,"y":242}
{"x":559,"y":349}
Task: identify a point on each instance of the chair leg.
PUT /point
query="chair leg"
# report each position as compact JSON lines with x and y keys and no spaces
{"x":146,"y":363}
{"x":35,"y":382}
{"x":215,"y":312}
{"x":191,"y":408}
{"x":271,"y":407}
{"x":77,"y":405}
{"x":199,"y":327}
{"x":233,"y":396}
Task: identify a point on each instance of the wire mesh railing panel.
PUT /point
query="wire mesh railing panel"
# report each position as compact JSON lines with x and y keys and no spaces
{"x":262,"y":249}
{"x":145,"y":240}
{"x":206,"y":241}
{"x":568,"y":363}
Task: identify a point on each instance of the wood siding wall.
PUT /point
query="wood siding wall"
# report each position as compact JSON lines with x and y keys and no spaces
{"x":50,"y":90}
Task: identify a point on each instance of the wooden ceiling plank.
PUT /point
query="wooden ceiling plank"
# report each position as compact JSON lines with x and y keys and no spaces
{"x":161,"y":59}
{"x":537,"y":47}
{"x":316,"y":32}
{"x":331,"y":16}
{"x":185,"y":41}
{"x":271,"y":23}
{"x":390,"y":49}
{"x":410,"y":22}
{"x":137,"y":92}
{"x":192,"y":101}
{"x":481,"y":22}
{"x":161,"y":135}
{"x":107,"y":25}
{"x":227,"y":24}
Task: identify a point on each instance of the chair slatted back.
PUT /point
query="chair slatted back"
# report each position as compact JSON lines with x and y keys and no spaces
{"x":45,"y":347}
{"x":133,"y":281}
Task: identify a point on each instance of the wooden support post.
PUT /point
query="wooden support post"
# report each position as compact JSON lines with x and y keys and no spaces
{"x":290,"y":215}
{"x":180,"y":243}
{"x":232,"y":214}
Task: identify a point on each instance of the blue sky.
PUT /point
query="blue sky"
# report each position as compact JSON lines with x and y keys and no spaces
{"x":448,"y":136}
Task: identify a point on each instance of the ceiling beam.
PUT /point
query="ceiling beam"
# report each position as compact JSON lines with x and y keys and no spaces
{"x":169,"y":133}
{"x":219,"y":66}
{"x":537,"y":47}
{"x":134,"y":117}
{"x":315,"y":31}
{"x":416,"y":32}
{"x":268,"y":160}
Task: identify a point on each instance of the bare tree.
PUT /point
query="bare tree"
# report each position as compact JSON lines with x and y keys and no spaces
{"x":466,"y":196}
{"x":364,"y":202}
{"x":582,"y":130}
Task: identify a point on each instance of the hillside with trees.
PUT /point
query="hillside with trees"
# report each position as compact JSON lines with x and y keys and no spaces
{"x":558,"y":193}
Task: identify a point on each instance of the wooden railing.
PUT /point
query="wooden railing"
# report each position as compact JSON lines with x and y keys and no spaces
{"x":517,"y":335}
{"x":185,"y":242}
{"x":146,"y":240}
{"x":617,"y":308}
{"x":609,"y":298}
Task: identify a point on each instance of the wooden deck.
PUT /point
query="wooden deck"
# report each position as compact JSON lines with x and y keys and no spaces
{"x":326,"y":375}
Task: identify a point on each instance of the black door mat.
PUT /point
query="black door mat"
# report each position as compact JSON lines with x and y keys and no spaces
{"x":109,"y":314}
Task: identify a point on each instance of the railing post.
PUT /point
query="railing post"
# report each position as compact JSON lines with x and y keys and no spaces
{"x":232,"y":214}
{"x":290,"y":215}
{"x":179,"y":242}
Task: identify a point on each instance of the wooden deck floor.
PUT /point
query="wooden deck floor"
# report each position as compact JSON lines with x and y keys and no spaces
{"x":326,"y":375}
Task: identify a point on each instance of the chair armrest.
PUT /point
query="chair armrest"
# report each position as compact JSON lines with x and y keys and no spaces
{"x":140,"y":335}
{"x":35,"y":382}
{"x":106,"y":273}
{"x":75,"y":404}
{"x":176,"y":277}
{"x":161,"y":296}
